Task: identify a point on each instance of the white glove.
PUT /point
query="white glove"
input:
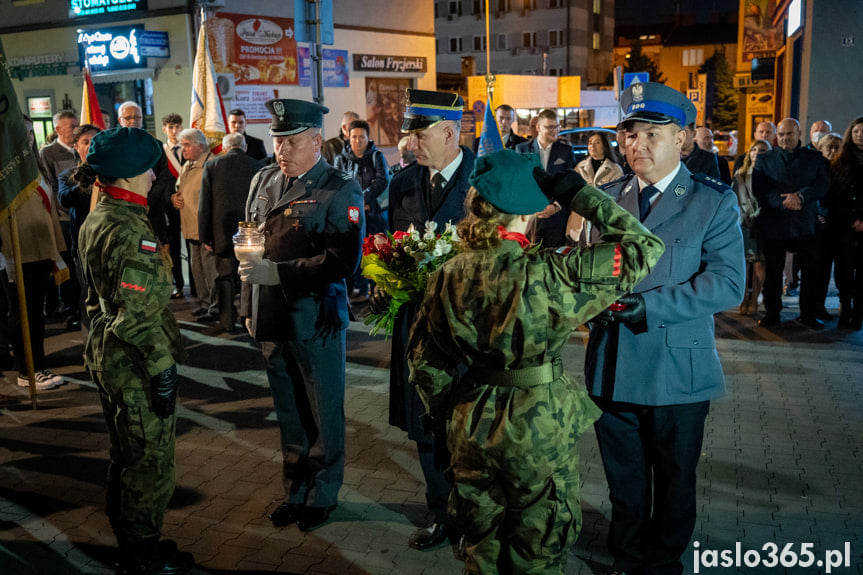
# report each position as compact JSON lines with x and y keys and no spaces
{"x":261,"y":272}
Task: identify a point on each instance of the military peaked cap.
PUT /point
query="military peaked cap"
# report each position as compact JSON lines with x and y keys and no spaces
{"x":655,"y":104}
{"x":426,"y":108}
{"x":294,"y":116}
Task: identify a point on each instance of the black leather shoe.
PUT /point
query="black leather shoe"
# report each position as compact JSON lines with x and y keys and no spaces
{"x":313,"y":517}
{"x":824,"y":315}
{"x":165,"y":560}
{"x":176,"y":294}
{"x":429,"y":537}
{"x":208,"y":317}
{"x":200,"y":311}
{"x":769,"y":321}
{"x":286,"y":514}
{"x":811,"y":322}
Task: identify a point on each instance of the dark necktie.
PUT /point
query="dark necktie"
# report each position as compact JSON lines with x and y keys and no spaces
{"x":644,"y":197}
{"x":176,"y":150}
{"x":437,"y":185}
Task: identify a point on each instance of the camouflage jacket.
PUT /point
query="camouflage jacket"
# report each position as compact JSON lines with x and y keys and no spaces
{"x":129,"y":286}
{"x":507,"y":308}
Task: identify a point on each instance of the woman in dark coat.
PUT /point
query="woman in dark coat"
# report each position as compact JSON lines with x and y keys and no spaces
{"x":847,"y":223}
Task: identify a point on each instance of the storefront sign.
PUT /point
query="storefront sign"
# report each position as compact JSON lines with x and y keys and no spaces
{"x":401,"y":64}
{"x":256,"y":50}
{"x":154,"y":44}
{"x":53,"y":64}
{"x":251,"y":101}
{"x":39,"y":107}
{"x":111,"y":48}
{"x":79,"y":8}
{"x":335,"y":66}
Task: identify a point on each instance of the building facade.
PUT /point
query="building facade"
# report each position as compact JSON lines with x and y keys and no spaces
{"x":528,"y":37}
{"x":376,"y":53}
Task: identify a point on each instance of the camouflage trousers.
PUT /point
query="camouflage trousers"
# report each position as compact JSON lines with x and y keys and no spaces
{"x":514,"y":466}
{"x":141,"y":473}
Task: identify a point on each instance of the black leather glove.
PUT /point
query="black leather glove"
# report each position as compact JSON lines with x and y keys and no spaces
{"x":163,"y":392}
{"x":328,"y":323}
{"x":563,"y":186}
{"x":379,"y":302}
{"x":634,"y":314}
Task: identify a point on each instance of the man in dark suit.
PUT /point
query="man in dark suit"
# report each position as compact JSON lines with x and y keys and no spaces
{"x":296,"y":305}
{"x":431,"y":189}
{"x":221,"y":206}
{"x":704,"y":140}
{"x":788,"y":181}
{"x":505,"y":116}
{"x":652,"y":366}
{"x":237,"y":124}
{"x":696,"y":160}
{"x":556,"y":157}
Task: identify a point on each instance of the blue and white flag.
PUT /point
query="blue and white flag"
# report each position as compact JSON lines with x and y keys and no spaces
{"x":489,"y":139}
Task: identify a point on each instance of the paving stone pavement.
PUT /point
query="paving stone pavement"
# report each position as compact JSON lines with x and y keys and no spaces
{"x":782,"y":463}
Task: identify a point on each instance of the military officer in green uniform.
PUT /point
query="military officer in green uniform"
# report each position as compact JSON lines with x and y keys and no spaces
{"x":296,"y":303}
{"x":133,"y":346}
{"x":504,"y":311}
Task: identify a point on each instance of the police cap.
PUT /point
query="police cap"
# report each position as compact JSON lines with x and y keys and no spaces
{"x":655,"y":104}
{"x":294,"y":116}
{"x":426,"y":108}
{"x":123,"y":152}
{"x":505,"y":179}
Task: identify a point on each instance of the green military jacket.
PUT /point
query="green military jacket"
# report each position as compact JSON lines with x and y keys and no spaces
{"x":510,"y":308}
{"x":129,"y":287}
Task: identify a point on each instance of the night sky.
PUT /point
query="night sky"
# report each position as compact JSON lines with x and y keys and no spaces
{"x":641,"y":12}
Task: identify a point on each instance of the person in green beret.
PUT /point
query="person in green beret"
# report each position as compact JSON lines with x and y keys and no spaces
{"x":133,"y":346}
{"x":486,"y":359}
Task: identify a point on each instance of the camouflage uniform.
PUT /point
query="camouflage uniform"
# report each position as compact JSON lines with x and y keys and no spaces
{"x":514,"y":418}
{"x":133,"y":337}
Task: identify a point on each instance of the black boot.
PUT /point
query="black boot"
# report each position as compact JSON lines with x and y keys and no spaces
{"x":152,"y":557}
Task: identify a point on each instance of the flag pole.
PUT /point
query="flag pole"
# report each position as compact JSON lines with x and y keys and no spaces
{"x":489,"y":79}
{"x":22,"y":306}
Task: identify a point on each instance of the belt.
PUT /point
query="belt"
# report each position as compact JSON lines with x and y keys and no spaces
{"x":523,"y":377}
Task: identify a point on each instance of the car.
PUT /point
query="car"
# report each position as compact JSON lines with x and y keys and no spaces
{"x":578,"y":137}
{"x":725,"y":143}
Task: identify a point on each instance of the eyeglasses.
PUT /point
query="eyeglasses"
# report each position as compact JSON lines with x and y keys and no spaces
{"x":138,"y":117}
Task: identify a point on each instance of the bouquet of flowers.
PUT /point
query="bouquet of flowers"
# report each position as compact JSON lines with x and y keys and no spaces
{"x":400,"y":265}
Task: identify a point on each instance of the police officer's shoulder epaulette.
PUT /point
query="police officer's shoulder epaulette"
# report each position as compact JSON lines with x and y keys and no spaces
{"x":717,"y":185}
{"x":622,"y":180}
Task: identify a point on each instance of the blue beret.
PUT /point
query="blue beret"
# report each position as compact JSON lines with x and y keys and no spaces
{"x":505,"y":179}
{"x":656,"y":104}
{"x":426,"y":108}
{"x":294,"y":116}
{"x":123,"y":152}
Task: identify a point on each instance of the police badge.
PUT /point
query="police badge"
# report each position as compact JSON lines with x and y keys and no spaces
{"x":637,"y":92}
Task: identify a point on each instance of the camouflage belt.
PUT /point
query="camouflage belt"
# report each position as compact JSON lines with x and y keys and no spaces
{"x":524,"y":377}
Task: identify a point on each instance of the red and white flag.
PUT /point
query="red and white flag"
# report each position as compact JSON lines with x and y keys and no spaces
{"x":208,"y":111}
{"x":90,"y":111}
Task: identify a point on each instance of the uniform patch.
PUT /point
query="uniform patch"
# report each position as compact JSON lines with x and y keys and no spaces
{"x":135,"y":280}
{"x":148,"y":246}
{"x":679,"y":190}
{"x":617,"y":255}
{"x":353,"y":214}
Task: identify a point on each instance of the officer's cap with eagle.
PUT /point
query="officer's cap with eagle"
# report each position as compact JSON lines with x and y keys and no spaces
{"x":294,"y":116}
{"x":655,"y":104}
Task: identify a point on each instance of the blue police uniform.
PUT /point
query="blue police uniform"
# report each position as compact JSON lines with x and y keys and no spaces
{"x":654,"y":381}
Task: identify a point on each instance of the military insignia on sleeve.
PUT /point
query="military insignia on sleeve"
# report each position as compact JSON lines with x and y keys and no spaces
{"x":147,"y":246}
{"x":134,"y":280}
{"x":353,"y":214}
{"x":679,"y":190}
{"x":615,"y":270}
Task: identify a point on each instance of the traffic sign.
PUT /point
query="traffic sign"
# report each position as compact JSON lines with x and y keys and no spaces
{"x":694,"y":96}
{"x":631,"y":78}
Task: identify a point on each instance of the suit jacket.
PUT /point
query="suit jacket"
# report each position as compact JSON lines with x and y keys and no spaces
{"x":255,"y":147}
{"x":514,"y":139}
{"x":778,"y":172}
{"x":552,"y":231}
{"x":409,"y":204}
{"x":674,"y":361}
{"x":222,"y":205}
{"x":314,"y":231}
{"x":57,"y":159}
{"x":702,"y":162}
{"x":724,"y":172}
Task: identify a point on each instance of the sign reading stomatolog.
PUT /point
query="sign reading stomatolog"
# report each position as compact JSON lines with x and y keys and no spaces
{"x":255,"y":49}
{"x":371,"y":63}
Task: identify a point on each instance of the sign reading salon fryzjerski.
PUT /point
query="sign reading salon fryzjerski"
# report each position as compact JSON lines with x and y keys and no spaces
{"x":400,"y":64}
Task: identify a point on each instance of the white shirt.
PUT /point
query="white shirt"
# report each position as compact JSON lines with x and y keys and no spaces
{"x":661,"y":184}
{"x":448,"y":172}
{"x":544,"y":154}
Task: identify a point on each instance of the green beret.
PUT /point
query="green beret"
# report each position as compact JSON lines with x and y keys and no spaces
{"x":123,"y":152}
{"x":505,"y":179}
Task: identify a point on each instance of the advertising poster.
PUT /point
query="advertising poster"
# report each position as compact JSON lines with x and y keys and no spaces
{"x":255,"y":49}
{"x":335,"y":68}
{"x":385,"y":104}
{"x":758,"y":37}
{"x":251,"y":101}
